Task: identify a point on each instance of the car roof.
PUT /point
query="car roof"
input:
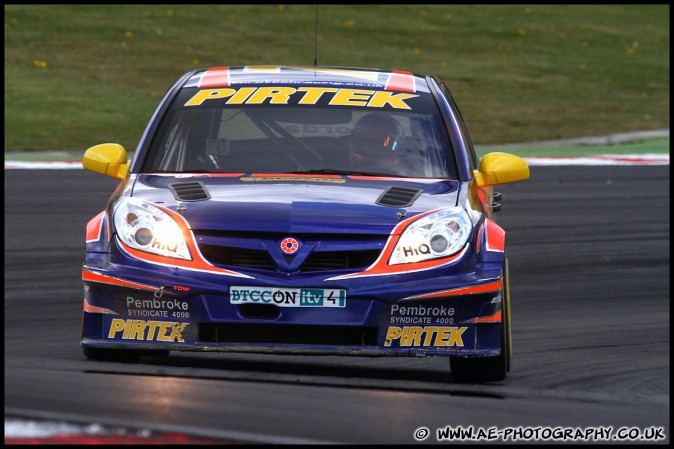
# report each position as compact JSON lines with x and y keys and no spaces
{"x":395,"y":80}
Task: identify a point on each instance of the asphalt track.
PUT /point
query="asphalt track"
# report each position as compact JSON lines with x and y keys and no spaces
{"x":589,"y":260}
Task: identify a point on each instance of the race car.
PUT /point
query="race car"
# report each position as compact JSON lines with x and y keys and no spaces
{"x":302,"y":210}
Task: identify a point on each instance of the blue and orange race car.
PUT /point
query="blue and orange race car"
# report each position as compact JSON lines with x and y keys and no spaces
{"x":302,"y":210}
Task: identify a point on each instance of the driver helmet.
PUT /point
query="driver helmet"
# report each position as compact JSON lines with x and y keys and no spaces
{"x":375,"y":137}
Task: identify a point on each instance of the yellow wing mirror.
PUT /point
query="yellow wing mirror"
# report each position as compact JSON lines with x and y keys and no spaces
{"x":501,"y":168}
{"x":107,"y":159}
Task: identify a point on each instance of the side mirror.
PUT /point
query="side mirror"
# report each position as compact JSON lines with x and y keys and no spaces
{"x":501,"y":168}
{"x":107,"y":159}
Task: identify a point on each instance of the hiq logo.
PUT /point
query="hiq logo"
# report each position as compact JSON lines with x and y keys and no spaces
{"x":165,"y":246}
{"x":412,"y":251}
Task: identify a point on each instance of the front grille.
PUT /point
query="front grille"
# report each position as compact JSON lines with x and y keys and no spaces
{"x":238,"y":257}
{"x":260,"y":311}
{"x":261,"y":260}
{"x":287,"y":334}
{"x":319,"y":261}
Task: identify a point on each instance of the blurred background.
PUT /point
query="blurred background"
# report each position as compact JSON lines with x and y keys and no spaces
{"x":76,"y":76}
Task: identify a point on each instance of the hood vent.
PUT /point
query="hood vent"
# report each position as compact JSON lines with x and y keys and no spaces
{"x":189,"y":191}
{"x":398,"y":196}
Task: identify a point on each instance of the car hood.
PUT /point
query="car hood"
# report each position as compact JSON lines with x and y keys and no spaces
{"x":294,"y":204}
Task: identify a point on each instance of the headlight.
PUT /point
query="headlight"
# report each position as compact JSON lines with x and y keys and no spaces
{"x":433,"y":236}
{"x":145,"y":227}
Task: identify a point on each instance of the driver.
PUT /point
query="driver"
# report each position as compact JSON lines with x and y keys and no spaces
{"x":374,"y":141}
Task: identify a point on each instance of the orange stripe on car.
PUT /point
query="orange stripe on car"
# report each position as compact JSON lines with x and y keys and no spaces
{"x":400,"y":81}
{"x":381,"y":267}
{"x":93,"y":309}
{"x":495,"y":318}
{"x":217,"y":77}
{"x":97,"y":277}
{"x":94,"y":227}
{"x":494,"y":237}
{"x":198,"y":262}
{"x":482,"y":195}
{"x":393,"y":178}
{"x":468,"y":290}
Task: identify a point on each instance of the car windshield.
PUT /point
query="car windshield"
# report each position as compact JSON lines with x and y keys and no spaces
{"x":204,"y":133}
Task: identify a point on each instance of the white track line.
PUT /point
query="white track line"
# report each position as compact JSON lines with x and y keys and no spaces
{"x":606,"y":159}
{"x":43,"y":165}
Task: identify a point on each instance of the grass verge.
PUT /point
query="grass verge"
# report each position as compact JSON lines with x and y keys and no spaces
{"x":78,"y":75}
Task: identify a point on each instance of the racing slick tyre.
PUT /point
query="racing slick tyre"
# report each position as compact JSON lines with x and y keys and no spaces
{"x":121,"y":355}
{"x":488,"y":369}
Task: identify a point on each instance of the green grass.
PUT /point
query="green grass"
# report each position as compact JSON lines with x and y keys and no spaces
{"x":76,"y":76}
{"x":655,"y":146}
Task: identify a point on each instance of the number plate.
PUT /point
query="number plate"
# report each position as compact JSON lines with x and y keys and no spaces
{"x":288,"y":297}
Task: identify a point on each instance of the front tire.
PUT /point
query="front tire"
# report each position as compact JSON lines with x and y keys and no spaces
{"x":488,"y":369}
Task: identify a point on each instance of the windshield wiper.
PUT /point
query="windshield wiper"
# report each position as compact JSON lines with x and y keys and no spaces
{"x":266,"y":129}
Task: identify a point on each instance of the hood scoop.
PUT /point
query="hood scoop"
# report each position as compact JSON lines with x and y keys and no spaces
{"x":398,"y":196}
{"x":189,"y":191}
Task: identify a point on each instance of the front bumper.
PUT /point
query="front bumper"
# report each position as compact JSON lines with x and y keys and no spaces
{"x":402,"y":315}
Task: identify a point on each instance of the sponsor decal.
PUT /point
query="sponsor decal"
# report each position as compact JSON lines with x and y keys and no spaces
{"x":290,"y":245}
{"x":337,"y":180}
{"x":156,"y":307}
{"x":421,"y":249}
{"x":421,"y":314}
{"x":168,"y":331}
{"x":426,"y":336}
{"x":288,"y":297}
{"x":304,"y":96}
